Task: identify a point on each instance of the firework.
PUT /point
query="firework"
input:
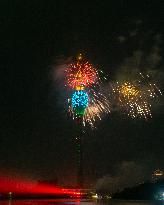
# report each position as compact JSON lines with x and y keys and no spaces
{"x":79,"y":102}
{"x":81,"y":74}
{"x":134,"y":98}
{"x":88,"y":103}
{"x":98,"y":105}
{"x":133,"y":101}
{"x":151,"y":88}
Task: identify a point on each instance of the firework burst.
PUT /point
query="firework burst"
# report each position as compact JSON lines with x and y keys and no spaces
{"x":81,"y":74}
{"x":98,"y":105}
{"x":134,"y":98}
{"x":133,"y":101}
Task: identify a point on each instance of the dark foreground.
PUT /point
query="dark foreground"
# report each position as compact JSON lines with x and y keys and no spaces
{"x":75,"y":202}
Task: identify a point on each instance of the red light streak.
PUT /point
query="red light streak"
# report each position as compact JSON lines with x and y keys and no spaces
{"x":24,"y":187}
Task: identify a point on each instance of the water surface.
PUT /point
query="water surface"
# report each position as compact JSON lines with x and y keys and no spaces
{"x":76,"y":202}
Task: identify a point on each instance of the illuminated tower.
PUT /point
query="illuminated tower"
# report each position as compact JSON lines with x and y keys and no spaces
{"x":80,"y":101}
{"x":79,"y":104}
{"x":81,"y":76}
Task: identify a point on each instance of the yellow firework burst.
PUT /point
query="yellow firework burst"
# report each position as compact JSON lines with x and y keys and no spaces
{"x":128,"y":90}
{"x":133,"y":100}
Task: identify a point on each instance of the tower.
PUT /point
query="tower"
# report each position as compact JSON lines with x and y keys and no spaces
{"x":79,"y":104}
{"x":79,"y":159}
{"x":80,"y":76}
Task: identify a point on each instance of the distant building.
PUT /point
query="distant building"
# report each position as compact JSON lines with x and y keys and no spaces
{"x":157,"y":175}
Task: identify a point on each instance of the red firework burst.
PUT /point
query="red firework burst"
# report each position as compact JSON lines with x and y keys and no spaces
{"x":81,"y":74}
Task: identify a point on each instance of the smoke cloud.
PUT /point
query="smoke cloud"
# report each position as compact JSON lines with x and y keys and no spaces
{"x":128,"y":174}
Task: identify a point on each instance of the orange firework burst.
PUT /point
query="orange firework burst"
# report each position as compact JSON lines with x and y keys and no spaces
{"x":81,"y":74}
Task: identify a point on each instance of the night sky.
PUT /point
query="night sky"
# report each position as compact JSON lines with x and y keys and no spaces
{"x":36,"y":134}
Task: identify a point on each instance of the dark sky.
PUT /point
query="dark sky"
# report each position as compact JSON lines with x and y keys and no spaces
{"x":36,"y":135}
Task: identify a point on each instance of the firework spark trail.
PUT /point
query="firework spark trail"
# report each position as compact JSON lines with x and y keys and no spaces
{"x":152,"y":88}
{"x":98,"y":105}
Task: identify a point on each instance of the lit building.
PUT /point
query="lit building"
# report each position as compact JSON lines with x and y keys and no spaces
{"x":157,"y":175}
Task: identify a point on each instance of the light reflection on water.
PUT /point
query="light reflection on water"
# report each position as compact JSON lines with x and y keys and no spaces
{"x":76,"y":202}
